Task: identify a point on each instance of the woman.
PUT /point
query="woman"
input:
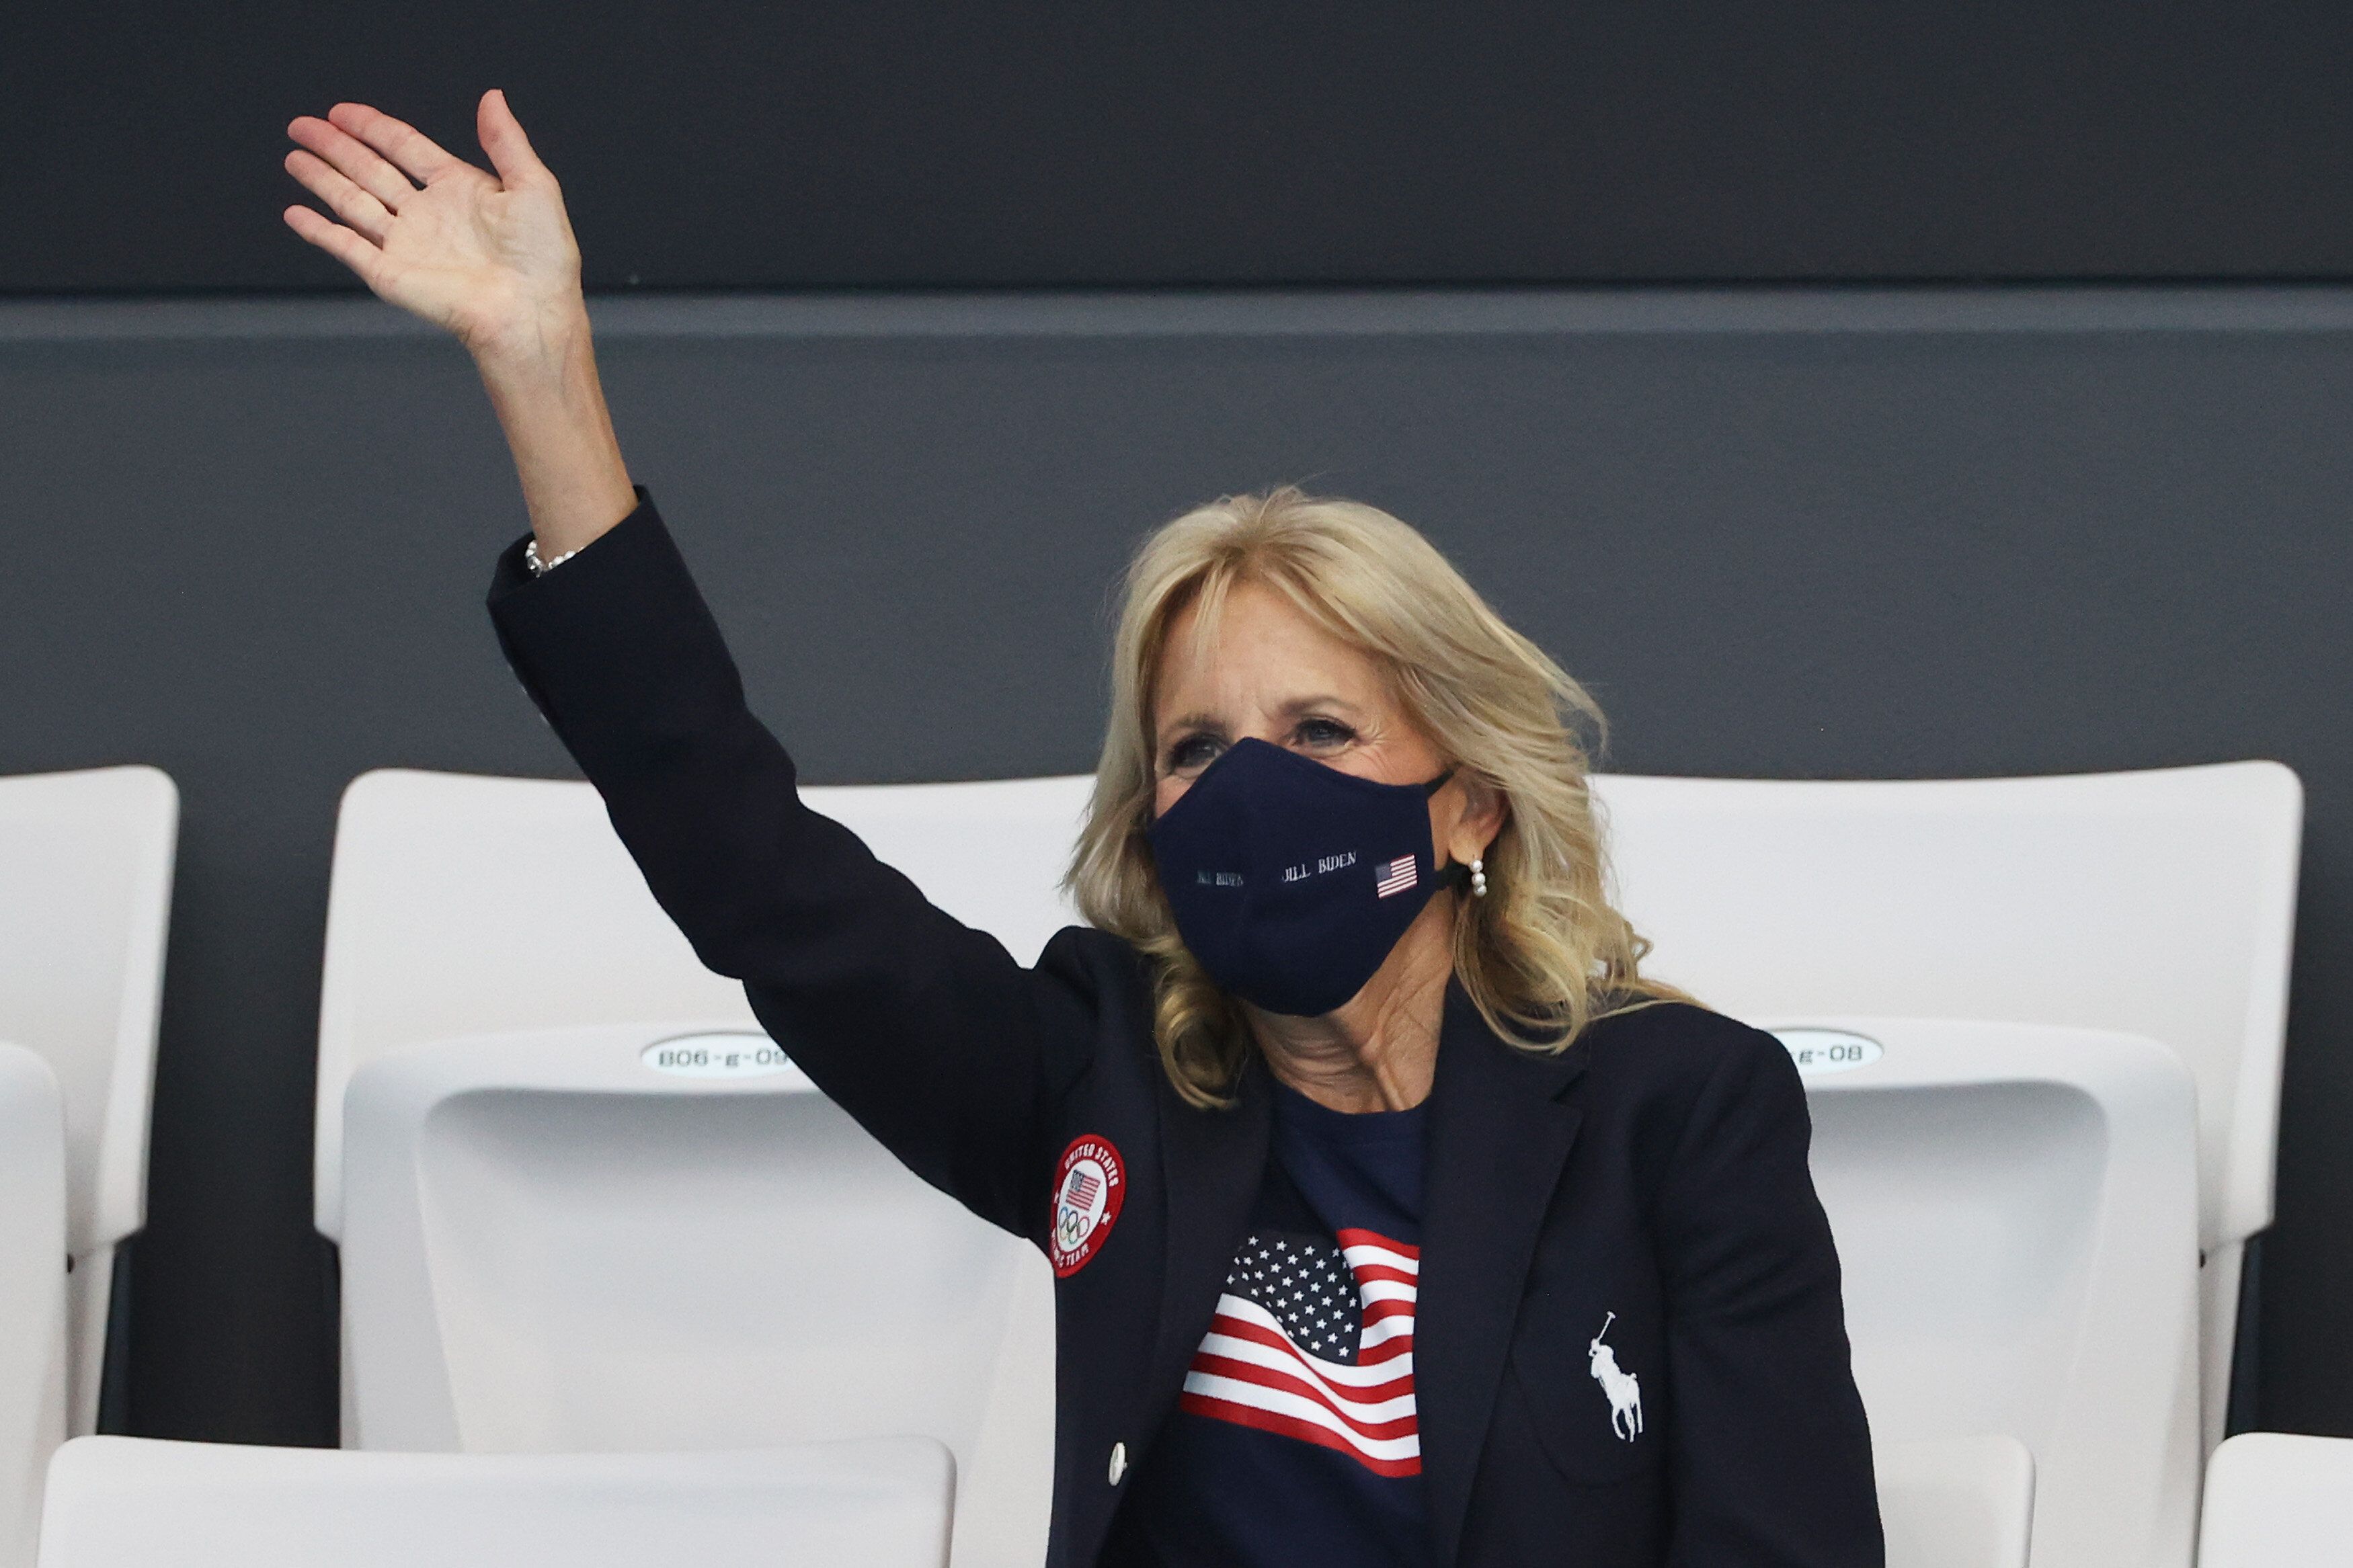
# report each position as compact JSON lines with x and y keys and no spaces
{"x":1396,"y":1217}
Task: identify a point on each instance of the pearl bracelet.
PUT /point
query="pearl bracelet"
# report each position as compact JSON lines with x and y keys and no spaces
{"x":531,"y":558}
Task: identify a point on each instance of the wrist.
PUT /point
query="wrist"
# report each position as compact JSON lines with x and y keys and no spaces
{"x":545,"y":348}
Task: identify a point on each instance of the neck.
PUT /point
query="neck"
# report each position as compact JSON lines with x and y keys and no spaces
{"x":1379,"y":1051}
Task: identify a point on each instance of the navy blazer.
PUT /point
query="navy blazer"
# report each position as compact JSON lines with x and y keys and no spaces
{"x":1655,"y":1170}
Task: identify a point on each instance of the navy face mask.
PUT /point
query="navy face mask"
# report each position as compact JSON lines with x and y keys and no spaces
{"x":1290,"y":880}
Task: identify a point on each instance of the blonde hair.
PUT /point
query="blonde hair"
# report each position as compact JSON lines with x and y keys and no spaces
{"x":1545,"y":954}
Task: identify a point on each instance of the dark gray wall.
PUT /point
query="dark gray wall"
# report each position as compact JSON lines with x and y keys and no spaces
{"x":737,"y":143}
{"x":1830,"y":533}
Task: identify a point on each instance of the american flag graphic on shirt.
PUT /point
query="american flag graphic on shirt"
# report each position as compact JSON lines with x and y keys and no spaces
{"x":1314,"y":1340}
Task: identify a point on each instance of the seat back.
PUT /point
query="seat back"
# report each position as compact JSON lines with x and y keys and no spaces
{"x":2014,"y":1206}
{"x":130,"y":1502}
{"x":85,"y":862}
{"x":32,"y":1292}
{"x":2276,"y":1501}
{"x":614,"y":1239}
{"x":85,"y":897}
{"x":465,"y":905}
{"x":1956,"y":1502}
{"x":529,"y":1216}
{"x":2158,"y":903}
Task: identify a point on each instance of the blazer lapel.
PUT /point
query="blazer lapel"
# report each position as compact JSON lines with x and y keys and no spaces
{"x":1498,"y":1138}
{"x":1211,"y":1163}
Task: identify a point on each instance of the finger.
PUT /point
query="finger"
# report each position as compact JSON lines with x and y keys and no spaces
{"x":410,"y":150}
{"x":356,"y":161}
{"x":337,"y":241}
{"x":502,"y":137}
{"x":355,"y":207}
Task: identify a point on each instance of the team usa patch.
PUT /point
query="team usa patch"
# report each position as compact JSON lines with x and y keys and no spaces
{"x":1090,"y":1186}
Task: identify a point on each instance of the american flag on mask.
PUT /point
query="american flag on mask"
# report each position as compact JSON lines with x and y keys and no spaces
{"x":1394,"y":876}
{"x":1314,"y":1340}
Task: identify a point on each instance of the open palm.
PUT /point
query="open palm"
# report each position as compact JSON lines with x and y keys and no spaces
{"x":489,"y":256}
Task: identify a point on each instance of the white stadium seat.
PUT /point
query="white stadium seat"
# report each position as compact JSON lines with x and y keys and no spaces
{"x":2016,"y":1213}
{"x":466,"y":905}
{"x":555,"y":1238}
{"x":129,"y":1502}
{"x":549,"y":1245}
{"x":2273,"y":1500}
{"x":2020,"y":1180}
{"x":85,"y":862}
{"x":1956,"y":1502}
{"x":2159,"y":903}
{"x":32,"y":1292}
{"x":2156,"y":904}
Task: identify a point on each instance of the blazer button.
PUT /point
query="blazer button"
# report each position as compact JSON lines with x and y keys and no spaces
{"x":1118,"y":1462}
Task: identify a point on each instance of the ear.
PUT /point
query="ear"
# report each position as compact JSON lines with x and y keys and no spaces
{"x":1476,"y":824}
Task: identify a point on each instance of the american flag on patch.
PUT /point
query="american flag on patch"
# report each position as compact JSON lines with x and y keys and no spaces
{"x":1316,"y":1341}
{"x":1083,"y":1190}
{"x":1395,"y":877}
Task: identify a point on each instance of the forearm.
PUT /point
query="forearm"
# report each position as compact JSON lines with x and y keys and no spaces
{"x":926,"y":1031}
{"x":550,"y":404}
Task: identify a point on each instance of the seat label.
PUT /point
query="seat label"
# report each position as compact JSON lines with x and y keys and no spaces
{"x":1819,"y":1051}
{"x":727,"y":1055}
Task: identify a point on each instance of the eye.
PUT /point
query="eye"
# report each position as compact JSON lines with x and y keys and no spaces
{"x":1321,"y":734}
{"x":1191,"y":753}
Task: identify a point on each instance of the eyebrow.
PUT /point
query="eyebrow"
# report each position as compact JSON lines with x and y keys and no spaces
{"x":1301,"y":704}
{"x":1204,"y":722}
{"x":1191,"y":722}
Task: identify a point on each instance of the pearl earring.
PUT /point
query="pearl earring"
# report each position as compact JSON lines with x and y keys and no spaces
{"x":1478,"y":879}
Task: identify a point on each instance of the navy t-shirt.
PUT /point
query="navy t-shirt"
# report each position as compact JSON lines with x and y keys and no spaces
{"x":1296,"y":1443}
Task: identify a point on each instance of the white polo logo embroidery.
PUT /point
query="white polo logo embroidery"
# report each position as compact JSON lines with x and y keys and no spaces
{"x":1623,"y":1388}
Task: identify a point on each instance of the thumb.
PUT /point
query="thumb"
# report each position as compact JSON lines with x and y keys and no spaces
{"x":501,"y":136}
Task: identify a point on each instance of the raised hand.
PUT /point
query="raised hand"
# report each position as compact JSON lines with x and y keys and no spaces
{"x":489,"y":256}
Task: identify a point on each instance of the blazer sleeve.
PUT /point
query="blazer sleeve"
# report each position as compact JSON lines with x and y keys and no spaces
{"x":926,"y":1031}
{"x":1770,"y":1449}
